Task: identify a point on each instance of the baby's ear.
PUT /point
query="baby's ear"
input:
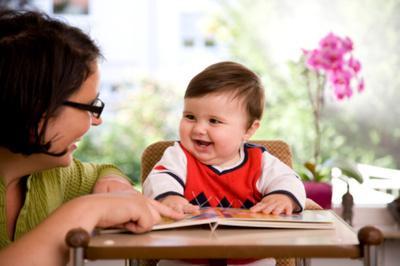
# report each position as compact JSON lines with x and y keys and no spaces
{"x":251,"y":130}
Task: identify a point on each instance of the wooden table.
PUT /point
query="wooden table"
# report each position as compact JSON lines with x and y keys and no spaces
{"x":341,"y":242}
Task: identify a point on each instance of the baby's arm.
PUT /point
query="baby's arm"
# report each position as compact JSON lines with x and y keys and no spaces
{"x":282,"y":189}
{"x":166,"y":182}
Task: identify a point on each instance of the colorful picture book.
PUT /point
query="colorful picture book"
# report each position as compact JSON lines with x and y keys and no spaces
{"x":245,"y":218}
{"x":214,"y":217}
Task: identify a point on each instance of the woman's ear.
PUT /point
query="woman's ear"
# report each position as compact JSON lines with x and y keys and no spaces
{"x":251,"y":130}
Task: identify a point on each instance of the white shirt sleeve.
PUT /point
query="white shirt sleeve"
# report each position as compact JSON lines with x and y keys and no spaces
{"x":168,"y":176}
{"x":277,"y":177}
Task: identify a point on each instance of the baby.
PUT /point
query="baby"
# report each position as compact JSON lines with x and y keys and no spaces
{"x":213,"y":164}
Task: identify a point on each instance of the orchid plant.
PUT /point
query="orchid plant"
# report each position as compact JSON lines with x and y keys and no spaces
{"x":331,"y":67}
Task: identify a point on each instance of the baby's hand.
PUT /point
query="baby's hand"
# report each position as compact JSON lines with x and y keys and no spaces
{"x":179,"y":204}
{"x":275,"y":204}
{"x":112,"y":183}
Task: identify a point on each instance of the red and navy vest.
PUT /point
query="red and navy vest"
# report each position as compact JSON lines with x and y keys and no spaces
{"x":234,"y":188}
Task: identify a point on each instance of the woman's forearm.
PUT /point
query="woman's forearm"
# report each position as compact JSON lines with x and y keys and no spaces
{"x":45,"y":245}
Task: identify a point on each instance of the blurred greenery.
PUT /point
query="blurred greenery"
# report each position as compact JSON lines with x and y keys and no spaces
{"x":140,"y":117}
{"x":365,"y":129}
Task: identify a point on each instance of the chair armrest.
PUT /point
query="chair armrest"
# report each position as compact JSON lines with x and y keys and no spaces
{"x":77,"y":240}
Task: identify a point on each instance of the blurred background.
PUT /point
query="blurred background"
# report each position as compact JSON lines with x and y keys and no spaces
{"x":152,"y":48}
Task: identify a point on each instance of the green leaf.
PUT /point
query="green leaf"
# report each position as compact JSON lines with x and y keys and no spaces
{"x":305,"y":177}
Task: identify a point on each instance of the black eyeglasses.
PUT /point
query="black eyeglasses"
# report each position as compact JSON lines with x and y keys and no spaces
{"x":95,"y":108}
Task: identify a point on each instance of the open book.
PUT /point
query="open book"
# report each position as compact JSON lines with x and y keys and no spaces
{"x":242,"y":217}
{"x":214,"y":217}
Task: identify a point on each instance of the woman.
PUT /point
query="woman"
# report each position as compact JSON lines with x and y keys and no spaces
{"x":48,"y":101}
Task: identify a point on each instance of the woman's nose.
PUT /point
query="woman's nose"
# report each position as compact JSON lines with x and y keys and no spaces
{"x":96,"y":121}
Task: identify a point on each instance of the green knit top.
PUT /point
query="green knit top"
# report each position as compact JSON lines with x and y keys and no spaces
{"x":47,"y":190}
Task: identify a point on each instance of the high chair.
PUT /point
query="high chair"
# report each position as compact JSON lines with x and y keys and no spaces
{"x":280,"y":149}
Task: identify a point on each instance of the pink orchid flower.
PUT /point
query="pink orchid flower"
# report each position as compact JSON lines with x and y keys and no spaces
{"x":333,"y":58}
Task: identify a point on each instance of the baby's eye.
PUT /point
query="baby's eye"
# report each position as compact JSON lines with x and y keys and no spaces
{"x":190,"y":117}
{"x":214,"y":121}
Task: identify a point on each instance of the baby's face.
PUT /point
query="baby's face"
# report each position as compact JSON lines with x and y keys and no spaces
{"x":213,"y":127}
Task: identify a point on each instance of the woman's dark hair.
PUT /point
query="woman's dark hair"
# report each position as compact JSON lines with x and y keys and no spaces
{"x":43,"y":61}
{"x":230,"y":77}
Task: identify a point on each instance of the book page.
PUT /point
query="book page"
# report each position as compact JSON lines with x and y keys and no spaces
{"x":307,"y":216}
{"x":241,"y":217}
{"x":308,"y":219}
{"x":203,"y":216}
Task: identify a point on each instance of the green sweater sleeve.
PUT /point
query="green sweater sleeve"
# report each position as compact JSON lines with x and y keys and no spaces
{"x":79,"y":178}
{"x":48,"y":190}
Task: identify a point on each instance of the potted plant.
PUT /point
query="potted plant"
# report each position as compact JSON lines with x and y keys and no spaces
{"x":329,"y":66}
{"x":316,"y":179}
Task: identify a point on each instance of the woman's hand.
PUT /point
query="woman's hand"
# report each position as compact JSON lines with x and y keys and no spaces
{"x":112,"y":183}
{"x":132,"y":211}
{"x":179,"y":204}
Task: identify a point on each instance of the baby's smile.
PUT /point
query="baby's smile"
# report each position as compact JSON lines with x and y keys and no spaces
{"x":202,"y":143}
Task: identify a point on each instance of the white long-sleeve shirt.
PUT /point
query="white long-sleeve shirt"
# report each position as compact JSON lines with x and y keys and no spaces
{"x":177,"y":172}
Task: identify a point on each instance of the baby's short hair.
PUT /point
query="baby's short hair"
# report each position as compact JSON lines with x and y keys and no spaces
{"x":230,"y":77}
